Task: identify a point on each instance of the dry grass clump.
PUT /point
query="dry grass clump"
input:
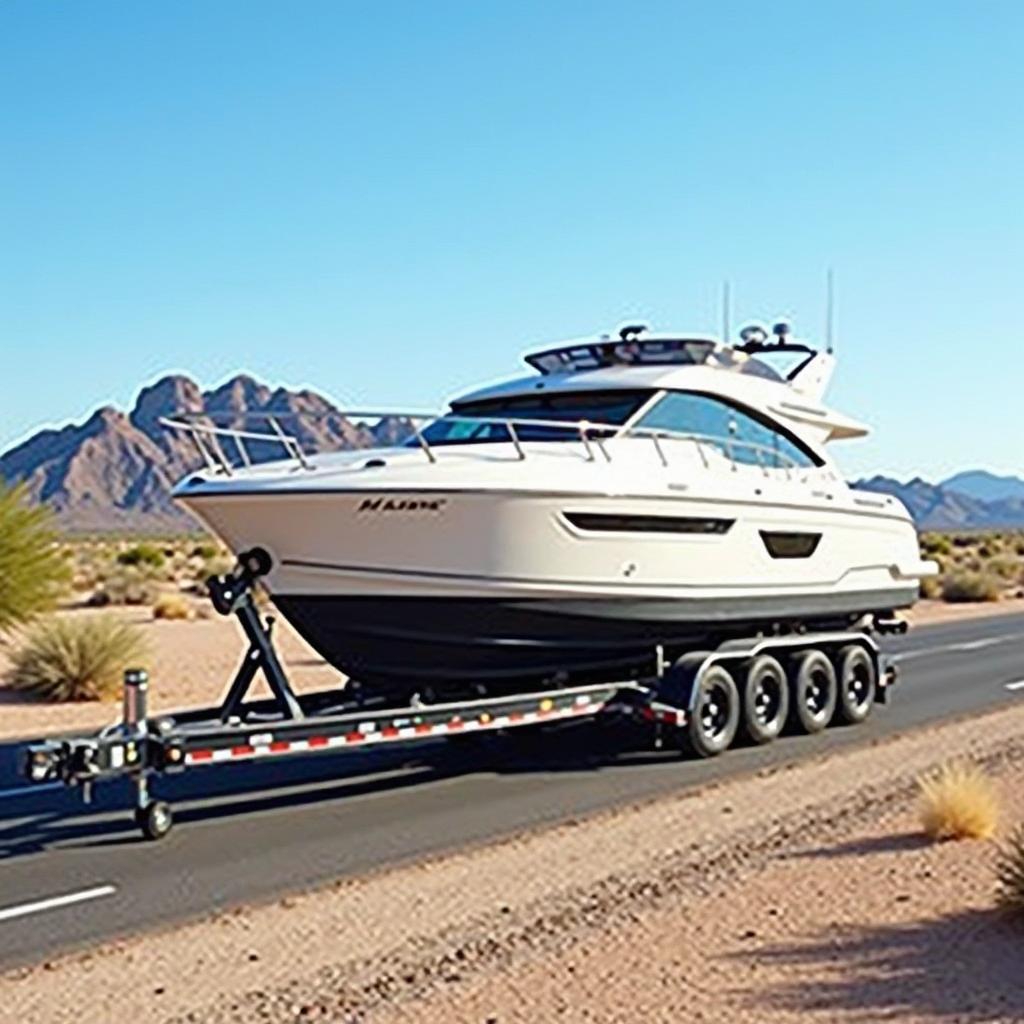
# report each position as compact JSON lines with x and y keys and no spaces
{"x":66,"y":659}
{"x":958,"y":802}
{"x":172,"y":606}
{"x":130,"y":585}
{"x":1010,"y":872}
{"x":971,"y":586}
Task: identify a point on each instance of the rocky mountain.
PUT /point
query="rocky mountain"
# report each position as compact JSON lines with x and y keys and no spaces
{"x":985,"y":486}
{"x":115,"y":471}
{"x":941,"y":507}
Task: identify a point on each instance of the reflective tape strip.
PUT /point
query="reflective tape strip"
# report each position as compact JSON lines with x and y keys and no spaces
{"x":367,"y":732}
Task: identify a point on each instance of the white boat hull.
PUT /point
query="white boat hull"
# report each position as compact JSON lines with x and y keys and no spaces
{"x":402,"y":587}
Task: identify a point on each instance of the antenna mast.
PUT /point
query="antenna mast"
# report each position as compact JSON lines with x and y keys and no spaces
{"x":725,"y":313}
{"x":830,"y":303}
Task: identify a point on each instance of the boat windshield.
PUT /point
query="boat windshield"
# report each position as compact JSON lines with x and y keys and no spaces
{"x":469,"y":422}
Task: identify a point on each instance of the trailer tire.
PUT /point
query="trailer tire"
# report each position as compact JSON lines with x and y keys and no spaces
{"x":814,"y":691}
{"x":714,"y":713}
{"x":765,"y":698}
{"x":155,"y":819}
{"x":858,"y":683}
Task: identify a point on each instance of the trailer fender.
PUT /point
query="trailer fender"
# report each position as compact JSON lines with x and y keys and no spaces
{"x":677,"y":686}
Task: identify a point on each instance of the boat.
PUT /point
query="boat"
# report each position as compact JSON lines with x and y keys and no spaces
{"x":634,"y":497}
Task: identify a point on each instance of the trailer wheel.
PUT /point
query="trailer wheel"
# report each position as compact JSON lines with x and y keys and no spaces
{"x":155,"y":819}
{"x":814,"y":691}
{"x":715,"y":713}
{"x":858,"y":680}
{"x":765,"y":699}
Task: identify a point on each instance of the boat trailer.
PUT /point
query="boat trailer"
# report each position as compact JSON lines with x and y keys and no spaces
{"x":686,"y":703}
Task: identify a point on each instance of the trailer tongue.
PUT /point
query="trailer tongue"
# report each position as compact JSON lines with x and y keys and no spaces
{"x":695,"y":703}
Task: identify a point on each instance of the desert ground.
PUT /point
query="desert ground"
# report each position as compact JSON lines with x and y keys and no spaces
{"x":190,"y":663}
{"x":801,"y":894}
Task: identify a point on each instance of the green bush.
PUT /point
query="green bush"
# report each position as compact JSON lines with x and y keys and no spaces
{"x":935,"y":544}
{"x":971,"y":586}
{"x":204,"y":551}
{"x":931,"y":588}
{"x":33,"y":569}
{"x":142,"y":554}
{"x":76,"y":658}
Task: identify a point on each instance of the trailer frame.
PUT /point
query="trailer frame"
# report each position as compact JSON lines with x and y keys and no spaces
{"x":142,"y":746}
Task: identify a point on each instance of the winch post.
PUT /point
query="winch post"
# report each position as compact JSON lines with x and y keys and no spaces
{"x":232,"y":595}
{"x":135,"y":700}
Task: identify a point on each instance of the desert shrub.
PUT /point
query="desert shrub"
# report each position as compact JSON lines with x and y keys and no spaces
{"x":76,"y":658}
{"x":172,"y":606}
{"x":1004,"y":566}
{"x":971,"y":586}
{"x":935,"y":544}
{"x":931,"y":588}
{"x":33,"y":569}
{"x":958,"y":802}
{"x":130,"y":585}
{"x":1010,"y":871}
{"x":963,"y":541}
{"x":204,"y":551}
{"x":142,"y":554}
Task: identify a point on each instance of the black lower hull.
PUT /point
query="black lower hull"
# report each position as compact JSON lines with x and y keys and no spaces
{"x":444,"y":646}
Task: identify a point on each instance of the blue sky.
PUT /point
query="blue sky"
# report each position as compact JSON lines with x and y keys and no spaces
{"x":391,"y":201}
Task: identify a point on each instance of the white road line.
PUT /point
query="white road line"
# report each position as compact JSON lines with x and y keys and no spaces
{"x":969,"y":645}
{"x":1019,"y":685}
{"x":54,"y":902}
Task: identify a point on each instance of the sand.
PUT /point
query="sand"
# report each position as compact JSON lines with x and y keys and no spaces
{"x":191,"y":664}
{"x":797,"y":894}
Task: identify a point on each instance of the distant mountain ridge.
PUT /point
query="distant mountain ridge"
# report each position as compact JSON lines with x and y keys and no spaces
{"x":115,"y":471}
{"x":985,"y":486}
{"x":947,"y":507}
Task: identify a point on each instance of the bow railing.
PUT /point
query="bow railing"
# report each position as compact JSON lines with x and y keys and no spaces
{"x":214,"y":443}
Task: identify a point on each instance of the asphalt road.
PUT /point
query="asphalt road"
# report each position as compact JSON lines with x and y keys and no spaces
{"x":72,"y":875}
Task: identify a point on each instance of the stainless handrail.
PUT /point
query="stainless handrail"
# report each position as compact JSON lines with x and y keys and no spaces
{"x":206,"y":435}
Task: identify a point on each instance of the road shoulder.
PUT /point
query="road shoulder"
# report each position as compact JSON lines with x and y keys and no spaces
{"x":408,"y":936}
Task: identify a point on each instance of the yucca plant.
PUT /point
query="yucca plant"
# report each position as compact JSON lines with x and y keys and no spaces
{"x":33,"y":569}
{"x":76,"y":658}
{"x":1010,"y":872}
{"x":958,"y":802}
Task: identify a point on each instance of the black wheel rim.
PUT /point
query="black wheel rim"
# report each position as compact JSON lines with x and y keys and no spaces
{"x":714,"y":711}
{"x":858,"y":687}
{"x":817,"y":693}
{"x":767,"y":700}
